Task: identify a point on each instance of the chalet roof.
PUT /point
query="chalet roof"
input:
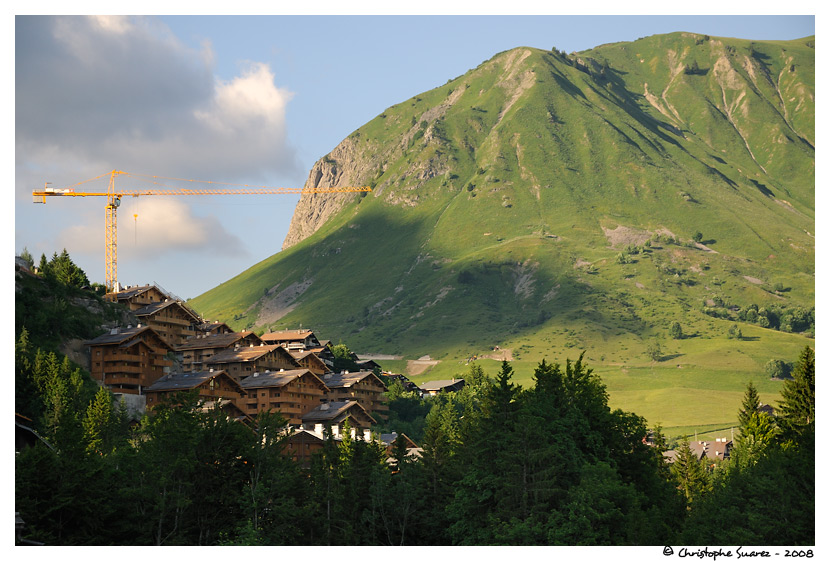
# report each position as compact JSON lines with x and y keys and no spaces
{"x":216,"y":340}
{"x":388,"y":439}
{"x":187,"y":380}
{"x":335,"y":411}
{"x":291,"y":335}
{"x":124,"y":336}
{"x":226,"y":405}
{"x":368,"y":364}
{"x":209,"y":326}
{"x":714,"y":450}
{"x":348,"y":379}
{"x":134,"y":291}
{"x":275,"y":379}
{"x":436,"y":385}
{"x":300,"y":355}
{"x":155,"y":307}
{"x":244,"y":354}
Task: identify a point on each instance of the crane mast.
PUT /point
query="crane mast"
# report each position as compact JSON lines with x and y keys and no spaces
{"x":114,"y":201}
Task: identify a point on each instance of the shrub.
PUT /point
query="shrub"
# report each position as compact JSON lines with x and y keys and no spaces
{"x":776,"y":368}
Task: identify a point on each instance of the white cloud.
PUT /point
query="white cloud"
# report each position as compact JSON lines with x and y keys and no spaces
{"x":94,"y":94}
{"x":123,"y":93}
{"x":162,"y":225}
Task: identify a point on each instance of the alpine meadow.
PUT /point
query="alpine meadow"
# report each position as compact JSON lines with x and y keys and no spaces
{"x":650,"y":203}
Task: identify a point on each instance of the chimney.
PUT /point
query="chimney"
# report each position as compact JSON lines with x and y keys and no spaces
{"x":324,"y":407}
{"x":114,"y":331}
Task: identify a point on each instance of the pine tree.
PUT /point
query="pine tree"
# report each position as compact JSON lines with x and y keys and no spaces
{"x":797,"y":411}
{"x":100,"y":424}
{"x":749,"y":406}
{"x":689,"y":473}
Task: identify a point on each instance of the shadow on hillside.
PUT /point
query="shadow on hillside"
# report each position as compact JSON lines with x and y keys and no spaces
{"x":665,"y":358}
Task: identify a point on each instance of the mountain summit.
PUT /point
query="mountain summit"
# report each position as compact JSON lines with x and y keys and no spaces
{"x":585,"y":200}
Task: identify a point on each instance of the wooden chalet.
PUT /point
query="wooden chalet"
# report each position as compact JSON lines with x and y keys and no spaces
{"x":364,"y":387}
{"x":128,"y":360}
{"x":301,"y":445}
{"x":195,"y":351}
{"x":171,"y":319}
{"x":334,"y":414}
{"x":312,"y":361}
{"x":293,"y":340}
{"x":229,"y":408}
{"x":210,"y":385}
{"x":212,"y":328}
{"x":324,"y":353}
{"x":710,"y":451}
{"x":407,"y":384}
{"x":437,"y":386}
{"x":137,"y":297}
{"x":292,"y":393}
{"x":368,"y":364}
{"x":241,"y":362}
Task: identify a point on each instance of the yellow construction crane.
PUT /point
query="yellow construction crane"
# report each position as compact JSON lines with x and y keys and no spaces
{"x":114,"y":200}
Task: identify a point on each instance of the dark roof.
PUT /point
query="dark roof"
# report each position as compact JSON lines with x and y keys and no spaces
{"x":368,"y":364}
{"x":273,"y":379}
{"x":123,"y":335}
{"x":215,"y":340}
{"x":185,"y":380}
{"x":334,"y":410}
{"x":299,"y":355}
{"x":388,"y":439}
{"x":156,"y":307}
{"x":436,"y":385}
{"x":347,"y":379}
{"x":209,"y":326}
{"x":134,"y":291}
{"x":243,"y":354}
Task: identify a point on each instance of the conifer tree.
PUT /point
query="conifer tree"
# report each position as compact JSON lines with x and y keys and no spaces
{"x":750,"y":404}
{"x":797,"y":411}
{"x":689,"y":472}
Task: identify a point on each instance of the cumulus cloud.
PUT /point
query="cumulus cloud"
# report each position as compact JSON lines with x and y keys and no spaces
{"x":162,"y":225}
{"x":123,"y":92}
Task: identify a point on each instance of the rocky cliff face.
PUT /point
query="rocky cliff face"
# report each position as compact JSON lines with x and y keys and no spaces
{"x":344,"y":167}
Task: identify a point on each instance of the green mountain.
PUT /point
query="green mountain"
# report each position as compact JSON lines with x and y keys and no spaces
{"x":551,"y":203}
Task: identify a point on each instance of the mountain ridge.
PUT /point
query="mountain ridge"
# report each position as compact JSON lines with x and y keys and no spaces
{"x":545,"y":200}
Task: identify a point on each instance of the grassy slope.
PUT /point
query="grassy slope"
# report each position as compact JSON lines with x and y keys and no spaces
{"x":534,"y":156}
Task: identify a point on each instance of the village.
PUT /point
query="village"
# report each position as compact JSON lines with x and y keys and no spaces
{"x":292,"y":373}
{"x":288,"y":372}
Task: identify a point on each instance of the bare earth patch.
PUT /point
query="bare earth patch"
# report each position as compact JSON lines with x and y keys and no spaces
{"x":753,"y":280}
{"x":501,"y":354}
{"x":275,"y":307}
{"x":415,"y":367}
{"x":622,"y":236}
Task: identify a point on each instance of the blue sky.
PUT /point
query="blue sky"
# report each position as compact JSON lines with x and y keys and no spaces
{"x":242,"y":100}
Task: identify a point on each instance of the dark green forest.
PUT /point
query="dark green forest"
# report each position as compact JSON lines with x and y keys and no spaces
{"x":502,"y":465}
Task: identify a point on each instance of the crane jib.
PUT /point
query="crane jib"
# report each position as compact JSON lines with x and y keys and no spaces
{"x":114,"y":200}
